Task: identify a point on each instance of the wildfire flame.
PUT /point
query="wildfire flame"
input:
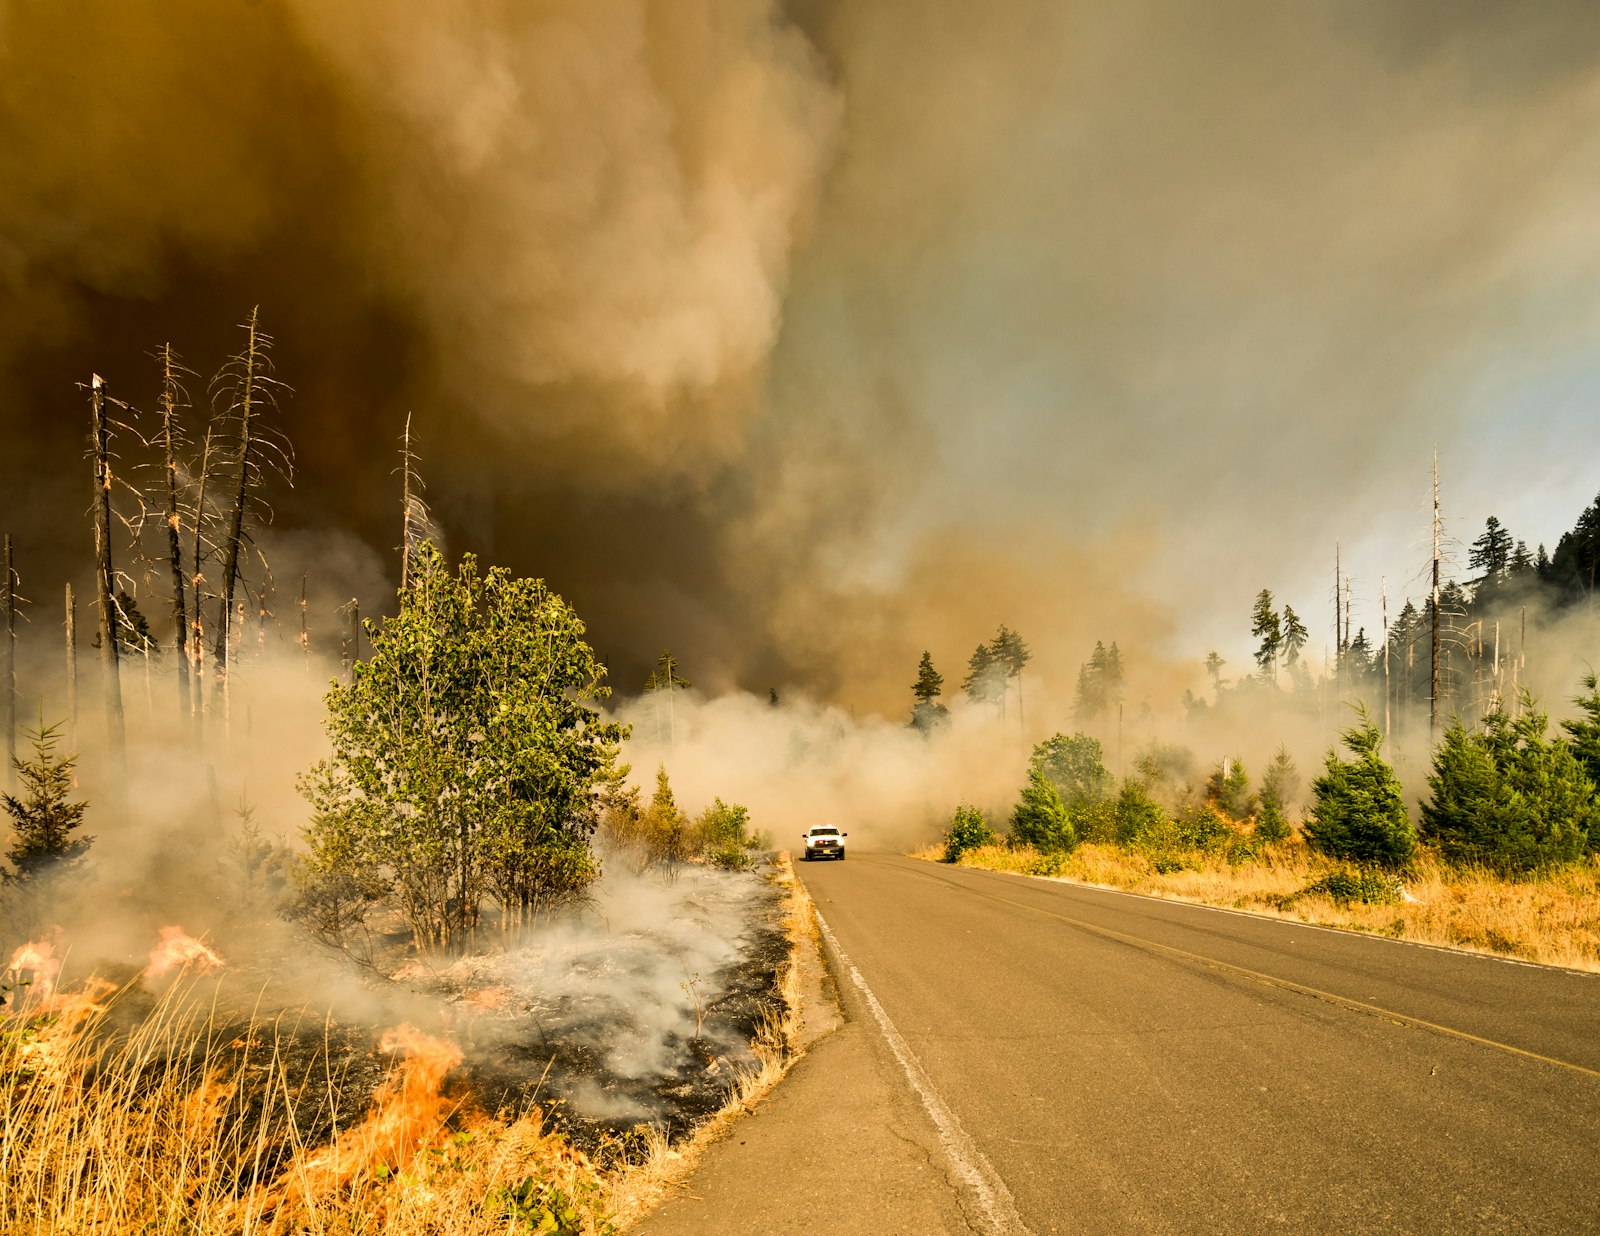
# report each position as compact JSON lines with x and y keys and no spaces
{"x":179,"y":950}
{"x":407,"y":1110}
{"x":36,"y":959}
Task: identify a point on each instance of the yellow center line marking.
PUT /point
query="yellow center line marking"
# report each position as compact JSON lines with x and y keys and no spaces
{"x":1270,"y":980}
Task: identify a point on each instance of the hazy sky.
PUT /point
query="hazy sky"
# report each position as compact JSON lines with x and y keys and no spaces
{"x":802,"y":339}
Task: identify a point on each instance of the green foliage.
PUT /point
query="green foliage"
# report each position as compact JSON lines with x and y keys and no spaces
{"x":968,"y":830}
{"x":1279,"y":787}
{"x":545,"y":1209}
{"x":1583,"y":737}
{"x":1074,"y":767}
{"x":1266,"y":626}
{"x":44,"y":818}
{"x":1295,"y":636}
{"x":1359,"y":813}
{"x":725,"y":837}
{"x":1137,"y":815}
{"x":466,"y":761}
{"x":666,"y":828}
{"x":1229,"y":790}
{"x":1508,"y":796}
{"x":927,"y":713}
{"x":985,"y":682}
{"x":1099,"y":683}
{"x":1201,"y":828}
{"x":1364,"y":884}
{"x":1040,"y":817}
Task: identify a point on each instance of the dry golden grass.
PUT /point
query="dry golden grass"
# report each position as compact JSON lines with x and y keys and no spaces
{"x":1553,"y":919}
{"x":183,"y":1126}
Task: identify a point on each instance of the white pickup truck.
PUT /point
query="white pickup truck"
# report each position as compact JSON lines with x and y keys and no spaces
{"x":824,"y":841}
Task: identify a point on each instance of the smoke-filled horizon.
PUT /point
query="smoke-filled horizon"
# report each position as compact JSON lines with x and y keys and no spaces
{"x":802,"y":338}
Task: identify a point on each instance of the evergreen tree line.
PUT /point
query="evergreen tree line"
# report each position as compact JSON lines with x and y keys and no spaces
{"x":1507,"y":794}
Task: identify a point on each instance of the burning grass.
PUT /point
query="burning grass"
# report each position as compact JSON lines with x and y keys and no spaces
{"x":1553,"y":919}
{"x":156,"y":1106}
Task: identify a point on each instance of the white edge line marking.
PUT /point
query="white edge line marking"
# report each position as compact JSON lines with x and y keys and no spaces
{"x":975,"y":1171}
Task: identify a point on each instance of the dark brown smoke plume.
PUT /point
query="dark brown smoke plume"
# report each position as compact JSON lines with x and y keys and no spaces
{"x":802,"y":338}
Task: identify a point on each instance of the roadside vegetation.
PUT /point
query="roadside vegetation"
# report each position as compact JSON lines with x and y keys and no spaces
{"x":1503,"y":857}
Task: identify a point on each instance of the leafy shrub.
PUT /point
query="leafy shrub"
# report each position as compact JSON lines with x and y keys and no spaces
{"x":1359,"y":814}
{"x":1508,"y":796}
{"x":1047,"y":864}
{"x":725,"y":836}
{"x":1201,"y":828}
{"x":1040,"y":818}
{"x":1169,"y":862}
{"x":1364,"y":884}
{"x":968,"y":830}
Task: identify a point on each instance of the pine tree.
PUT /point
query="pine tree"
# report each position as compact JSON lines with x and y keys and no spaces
{"x":1229,"y":789}
{"x":1279,"y":785}
{"x":985,"y":682}
{"x":1295,"y":636}
{"x":1214,"y":664}
{"x":1359,"y":812}
{"x":1508,"y":796}
{"x":1040,"y":818}
{"x":927,"y":713}
{"x":44,"y":818}
{"x":1268,"y":628}
{"x":1491,"y":552}
{"x":1583,"y":736}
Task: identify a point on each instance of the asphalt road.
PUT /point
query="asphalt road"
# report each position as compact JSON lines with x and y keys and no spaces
{"x":1093,"y":1061}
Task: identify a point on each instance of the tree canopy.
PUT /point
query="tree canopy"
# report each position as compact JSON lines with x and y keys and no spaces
{"x":466,"y":756}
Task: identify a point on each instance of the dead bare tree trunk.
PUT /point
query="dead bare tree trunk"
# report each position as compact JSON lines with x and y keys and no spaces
{"x":1383,"y":591}
{"x":196,"y":557}
{"x":1433,"y":690}
{"x":351,"y":650}
{"x":245,"y":409}
{"x":170,"y":398}
{"x":72,"y":670}
{"x":105,"y":578}
{"x":305,"y":634}
{"x":406,"y":532}
{"x":1338,"y":630}
{"x":8,"y":663}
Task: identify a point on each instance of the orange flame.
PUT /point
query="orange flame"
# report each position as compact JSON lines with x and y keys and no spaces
{"x":37,"y":959}
{"x":179,"y":950}
{"x":407,"y":1110}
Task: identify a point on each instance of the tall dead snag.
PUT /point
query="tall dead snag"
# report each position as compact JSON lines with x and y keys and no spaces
{"x":416,"y":520}
{"x":1433,"y":687}
{"x":350,"y":652}
{"x":72,"y":670}
{"x":249,"y":388}
{"x":170,"y":440}
{"x":8,"y":661}
{"x":104,"y":575}
{"x":197,"y":557}
{"x":305,"y":633}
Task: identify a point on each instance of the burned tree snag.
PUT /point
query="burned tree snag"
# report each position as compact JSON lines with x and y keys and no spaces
{"x":72,"y":670}
{"x":197,"y":650}
{"x":170,"y":401}
{"x":305,"y":634}
{"x":8,"y":661}
{"x":350,"y":652}
{"x":105,"y":579}
{"x":245,"y":407}
{"x":1433,"y":688}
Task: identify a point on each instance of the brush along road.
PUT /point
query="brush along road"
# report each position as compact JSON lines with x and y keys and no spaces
{"x":1070,"y":1059}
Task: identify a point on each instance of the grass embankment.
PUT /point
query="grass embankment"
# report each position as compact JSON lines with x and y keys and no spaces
{"x":191,"y":1123}
{"x":1554,"y":919}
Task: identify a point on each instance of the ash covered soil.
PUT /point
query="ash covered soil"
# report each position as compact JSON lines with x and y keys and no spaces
{"x":637,"y":1009}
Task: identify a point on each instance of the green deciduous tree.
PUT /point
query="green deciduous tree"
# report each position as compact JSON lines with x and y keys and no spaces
{"x":1358,"y":813}
{"x":1040,"y":817}
{"x":1074,"y":767}
{"x":466,"y":757}
{"x":1508,"y":795}
{"x":968,"y":830}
